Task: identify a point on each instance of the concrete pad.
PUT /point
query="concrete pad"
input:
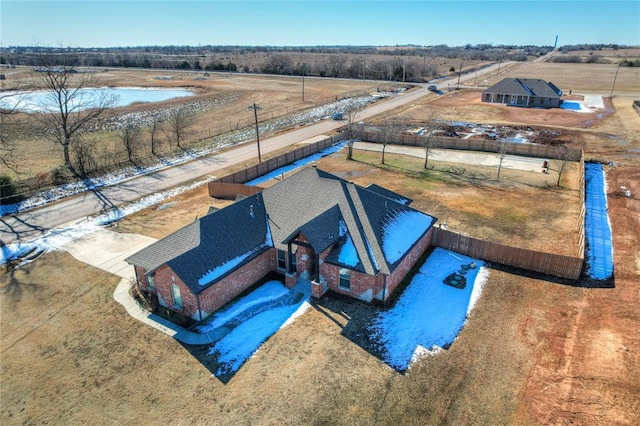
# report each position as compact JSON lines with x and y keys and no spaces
{"x":107,"y":250}
{"x":487,"y":159}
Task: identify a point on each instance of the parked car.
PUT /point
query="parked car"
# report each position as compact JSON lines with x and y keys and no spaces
{"x":433,"y":88}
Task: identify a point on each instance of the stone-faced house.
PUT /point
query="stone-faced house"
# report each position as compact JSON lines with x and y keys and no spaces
{"x":528,"y":92}
{"x":313,"y":225}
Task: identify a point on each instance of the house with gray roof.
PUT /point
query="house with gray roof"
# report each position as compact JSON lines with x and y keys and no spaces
{"x":527,"y":92}
{"x":313,"y":225}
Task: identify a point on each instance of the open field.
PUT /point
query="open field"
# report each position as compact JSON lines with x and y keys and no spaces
{"x":220,"y":103}
{"x":590,"y":78}
{"x":533,"y":351}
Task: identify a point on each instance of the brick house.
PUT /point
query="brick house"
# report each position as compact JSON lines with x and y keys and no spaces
{"x":528,"y":92}
{"x":313,"y":225}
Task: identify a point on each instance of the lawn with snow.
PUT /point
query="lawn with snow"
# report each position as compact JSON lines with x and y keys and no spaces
{"x":245,"y":339}
{"x":429,"y":314}
{"x":296,"y":164}
{"x":599,"y":247}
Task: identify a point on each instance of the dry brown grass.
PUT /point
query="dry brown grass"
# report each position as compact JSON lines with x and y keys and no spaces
{"x":590,"y":78}
{"x":72,"y":355}
{"x":532,"y":352}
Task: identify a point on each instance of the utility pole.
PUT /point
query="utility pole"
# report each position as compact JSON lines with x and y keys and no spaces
{"x":255,"y":109}
{"x":614,"y":81}
{"x":303,"y":66}
{"x":404,"y":64}
{"x":459,"y":75}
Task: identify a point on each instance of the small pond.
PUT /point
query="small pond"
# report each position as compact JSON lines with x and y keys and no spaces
{"x":42,"y":100}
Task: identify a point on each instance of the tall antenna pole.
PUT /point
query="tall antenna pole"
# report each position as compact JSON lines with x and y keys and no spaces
{"x":255,"y":109}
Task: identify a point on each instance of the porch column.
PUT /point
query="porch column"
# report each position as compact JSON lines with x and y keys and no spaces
{"x":289,"y":259}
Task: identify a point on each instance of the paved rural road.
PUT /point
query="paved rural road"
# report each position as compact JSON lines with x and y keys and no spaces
{"x":33,"y":223}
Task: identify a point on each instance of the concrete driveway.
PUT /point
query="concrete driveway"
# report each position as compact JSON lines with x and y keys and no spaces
{"x":107,"y":250}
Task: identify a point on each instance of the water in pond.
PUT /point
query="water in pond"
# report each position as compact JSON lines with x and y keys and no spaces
{"x":42,"y":101}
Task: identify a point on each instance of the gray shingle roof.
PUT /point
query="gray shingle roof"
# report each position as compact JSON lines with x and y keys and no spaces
{"x":209,"y":242}
{"x":524,"y":87}
{"x":312,"y":202}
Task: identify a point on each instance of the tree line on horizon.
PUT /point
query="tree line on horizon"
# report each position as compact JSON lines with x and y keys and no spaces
{"x":398,"y":63}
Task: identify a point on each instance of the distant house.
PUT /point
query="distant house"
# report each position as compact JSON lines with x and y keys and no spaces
{"x":313,"y":225}
{"x":528,"y":92}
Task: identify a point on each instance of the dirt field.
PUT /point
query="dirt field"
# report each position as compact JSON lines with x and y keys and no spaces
{"x":533,"y":351}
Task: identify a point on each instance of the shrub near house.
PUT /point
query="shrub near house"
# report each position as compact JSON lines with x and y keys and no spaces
{"x":313,"y":225}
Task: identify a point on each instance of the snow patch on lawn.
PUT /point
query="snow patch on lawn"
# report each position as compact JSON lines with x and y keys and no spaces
{"x":279,"y":172}
{"x":245,"y":340}
{"x":267,"y":292}
{"x":429,"y":314}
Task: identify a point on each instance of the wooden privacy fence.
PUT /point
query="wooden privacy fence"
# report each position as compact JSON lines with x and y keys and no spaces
{"x":471,"y":144}
{"x":546,"y":263}
{"x":281,"y":160}
{"x":231,"y":190}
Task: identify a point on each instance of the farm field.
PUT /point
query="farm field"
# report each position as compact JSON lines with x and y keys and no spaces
{"x":533,"y":351}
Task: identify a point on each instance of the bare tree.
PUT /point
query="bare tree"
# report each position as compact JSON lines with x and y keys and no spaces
{"x":429,"y":131}
{"x":502,"y":152}
{"x":72,"y":105}
{"x":390,"y":127}
{"x":279,"y":64}
{"x":563,"y":157}
{"x":130,"y":137}
{"x":180,"y":119}
{"x":351,"y":115}
{"x":84,"y":157}
{"x":153,"y":131}
{"x":12,"y":126}
{"x":336,"y":65}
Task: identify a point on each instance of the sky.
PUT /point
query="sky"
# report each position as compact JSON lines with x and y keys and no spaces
{"x":114,"y":23}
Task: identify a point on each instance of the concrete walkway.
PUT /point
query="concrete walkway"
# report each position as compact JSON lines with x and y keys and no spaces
{"x":486,"y":159}
{"x":106,"y":250}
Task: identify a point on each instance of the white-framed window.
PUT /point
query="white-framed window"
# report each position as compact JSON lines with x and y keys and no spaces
{"x":345,"y":279}
{"x":282,"y":260}
{"x":151,"y":280}
{"x":177,"y":297}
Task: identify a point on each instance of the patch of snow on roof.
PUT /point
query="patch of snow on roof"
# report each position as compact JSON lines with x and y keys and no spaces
{"x":348,"y":254}
{"x":229,"y":265}
{"x":402,"y":231}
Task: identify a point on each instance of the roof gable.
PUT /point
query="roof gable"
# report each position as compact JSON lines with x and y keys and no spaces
{"x":212,"y":246}
{"x":329,"y":210}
